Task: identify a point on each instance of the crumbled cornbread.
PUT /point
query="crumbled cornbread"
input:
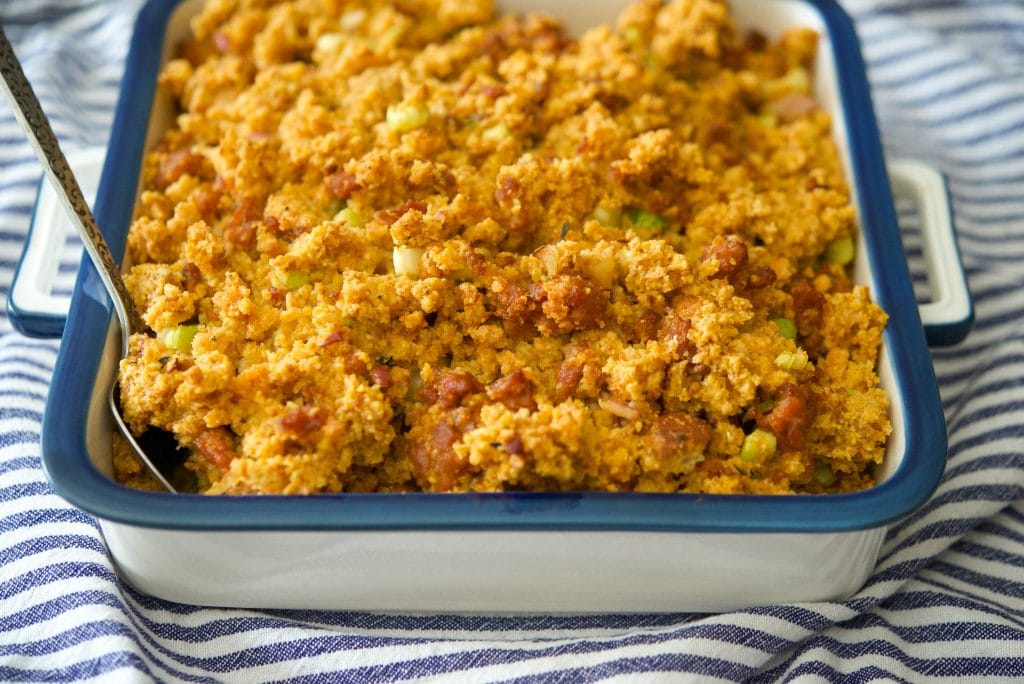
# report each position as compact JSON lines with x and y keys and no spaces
{"x":418,"y":246}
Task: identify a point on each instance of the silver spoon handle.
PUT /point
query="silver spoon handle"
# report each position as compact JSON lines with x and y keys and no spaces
{"x":33,"y":121}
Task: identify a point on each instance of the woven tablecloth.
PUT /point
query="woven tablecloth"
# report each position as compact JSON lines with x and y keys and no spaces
{"x":946,"y":600}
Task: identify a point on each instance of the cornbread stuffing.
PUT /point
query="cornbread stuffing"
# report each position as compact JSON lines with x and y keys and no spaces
{"x":420,"y":246}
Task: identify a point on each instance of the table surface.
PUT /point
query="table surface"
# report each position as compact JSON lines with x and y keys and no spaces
{"x":945,"y":601}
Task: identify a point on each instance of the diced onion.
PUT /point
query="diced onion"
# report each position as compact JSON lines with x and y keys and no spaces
{"x":619,"y":408}
{"x":406,"y":117}
{"x":792,"y":360}
{"x":496,"y":134}
{"x":329,"y":42}
{"x":407,"y":260}
{"x":608,"y":217}
{"x":548,"y":256}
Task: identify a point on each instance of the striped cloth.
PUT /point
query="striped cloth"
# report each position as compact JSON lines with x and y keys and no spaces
{"x":945,"y":602}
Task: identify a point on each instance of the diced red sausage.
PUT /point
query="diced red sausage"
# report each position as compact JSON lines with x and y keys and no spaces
{"x":567,"y":379}
{"x":730,"y":253}
{"x":341,"y":185}
{"x":515,"y":391}
{"x":302,"y":421}
{"x":790,"y":417}
{"x":216,"y":447}
{"x":434,"y":462}
{"x":678,"y":433}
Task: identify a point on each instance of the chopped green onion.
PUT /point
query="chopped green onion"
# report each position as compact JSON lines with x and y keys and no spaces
{"x":758,"y":445}
{"x":647,"y":219}
{"x":823,"y":474}
{"x":787,"y":328}
{"x":792,"y":360}
{"x":351,"y":217}
{"x":407,"y":117}
{"x":293,"y":280}
{"x":768,"y":120}
{"x":178,"y":337}
{"x":840,"y":251}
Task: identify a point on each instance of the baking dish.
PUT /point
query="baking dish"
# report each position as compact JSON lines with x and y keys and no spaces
{"x":512,"y":551}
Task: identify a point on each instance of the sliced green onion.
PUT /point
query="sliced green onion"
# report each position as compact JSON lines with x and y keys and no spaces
{"x":787,"y":328}
{"x":351,"y":217}
{"x":293,"y":280}
{"x":407,"y":117}
{"x":758,"y":445}
{"x":647,"y":219}
{"x":791,"y":360}
{"x":840,"y":251}
{"x":823,"y":474}
{"x":178,"y":337}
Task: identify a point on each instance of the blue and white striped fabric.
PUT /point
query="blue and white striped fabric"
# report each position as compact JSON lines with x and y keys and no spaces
{"x":945,"y":602}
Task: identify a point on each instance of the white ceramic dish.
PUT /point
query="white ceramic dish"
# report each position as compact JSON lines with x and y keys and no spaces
{"x":579,"y":552}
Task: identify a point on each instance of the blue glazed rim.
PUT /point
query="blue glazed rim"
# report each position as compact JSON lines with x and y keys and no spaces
{"x":73,"y":476}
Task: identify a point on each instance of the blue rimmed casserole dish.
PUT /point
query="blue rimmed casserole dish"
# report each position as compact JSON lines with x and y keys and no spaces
{"x":584,"y":551}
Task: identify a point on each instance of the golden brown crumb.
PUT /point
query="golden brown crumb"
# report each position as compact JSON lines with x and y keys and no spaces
{"x":414,"y":246}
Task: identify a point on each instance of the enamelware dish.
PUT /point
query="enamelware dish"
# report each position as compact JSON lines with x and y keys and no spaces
{"x":579,"y":552}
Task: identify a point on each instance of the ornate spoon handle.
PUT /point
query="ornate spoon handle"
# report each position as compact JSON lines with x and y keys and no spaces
{"x":33,"y":121}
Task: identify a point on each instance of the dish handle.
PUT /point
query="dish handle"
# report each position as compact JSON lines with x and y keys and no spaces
{"x":949,"y":313}
{"x":34,"y":307}
{"x":36,"y":310}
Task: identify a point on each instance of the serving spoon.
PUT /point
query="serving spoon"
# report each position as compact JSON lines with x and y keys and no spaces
{"x":36,"y":126}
